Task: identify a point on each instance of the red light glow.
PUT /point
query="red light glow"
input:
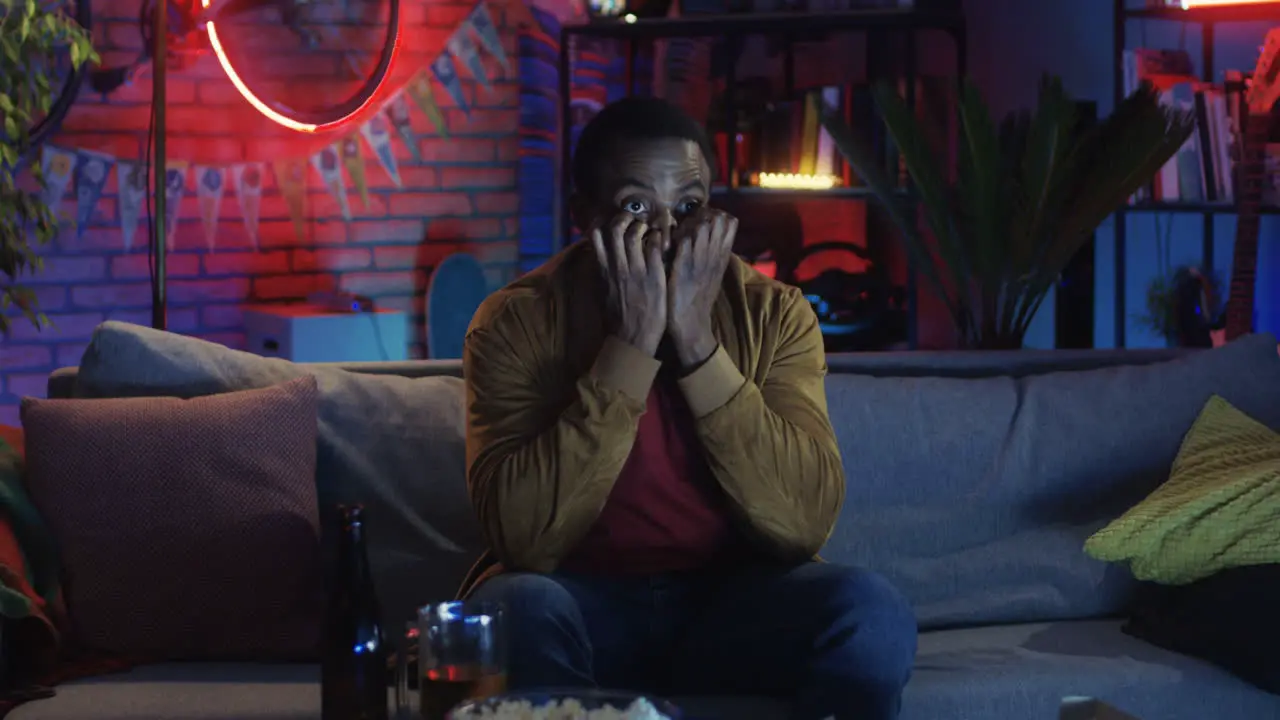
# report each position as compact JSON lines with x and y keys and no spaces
{"x":1193,"y":4}
{"x":267,"y":110}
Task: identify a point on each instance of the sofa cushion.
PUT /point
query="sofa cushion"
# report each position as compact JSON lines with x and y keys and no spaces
{"x":1019,"y":672}
{"x":187,"y":529}
{"x":394,"y":444}
{"x":1023,"y":672}
{"x":975,"y":496}
{"x":1217,"y":510}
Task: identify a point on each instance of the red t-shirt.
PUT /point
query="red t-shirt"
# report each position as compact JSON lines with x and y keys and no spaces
{"x":665,"y":513}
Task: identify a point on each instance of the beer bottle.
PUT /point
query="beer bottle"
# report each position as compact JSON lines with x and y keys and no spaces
{"x":354,"y":671}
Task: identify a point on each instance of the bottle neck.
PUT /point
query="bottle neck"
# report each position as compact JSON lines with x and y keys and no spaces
{"x":353,"y":554}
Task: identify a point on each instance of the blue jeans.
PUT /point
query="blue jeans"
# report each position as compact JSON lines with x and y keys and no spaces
{"x":838,"y":641}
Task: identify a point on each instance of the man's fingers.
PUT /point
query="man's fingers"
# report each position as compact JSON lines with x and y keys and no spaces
{"x":684,"y":252}
{"x":653,"y":252}
{"x":706,"y":230}
{"x":634,"y":244}
{"x":730,"y":233}
{"x":597,"y":242}
{"x":618,"y":240}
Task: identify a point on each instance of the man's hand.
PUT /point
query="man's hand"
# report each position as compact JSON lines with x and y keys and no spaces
{"x":696,"y":275}
{"x":630,"y":257}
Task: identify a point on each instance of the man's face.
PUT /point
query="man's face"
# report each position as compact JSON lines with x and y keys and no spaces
{"x":661,"y":182}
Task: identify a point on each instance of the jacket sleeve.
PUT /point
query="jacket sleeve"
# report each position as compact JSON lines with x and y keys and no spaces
{"x":771,"y":446}
{"x":539,"y":465}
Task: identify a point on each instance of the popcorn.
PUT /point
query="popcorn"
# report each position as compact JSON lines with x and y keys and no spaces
{"x":567,"y":709}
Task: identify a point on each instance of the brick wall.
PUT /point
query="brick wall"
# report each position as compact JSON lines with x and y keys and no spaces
{"x":462,"y":196}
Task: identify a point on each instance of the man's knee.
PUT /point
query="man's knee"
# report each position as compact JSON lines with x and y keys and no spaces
{"x":883,"y":622}
{"x":529,"y":598}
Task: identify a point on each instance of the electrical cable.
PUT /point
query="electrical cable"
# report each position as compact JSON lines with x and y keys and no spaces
{"x":151,"y":226}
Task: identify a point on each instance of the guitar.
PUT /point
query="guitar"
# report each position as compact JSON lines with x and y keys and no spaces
{"x":1260,"y":96}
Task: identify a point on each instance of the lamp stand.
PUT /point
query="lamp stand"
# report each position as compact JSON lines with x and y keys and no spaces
{"x":159,"y":57}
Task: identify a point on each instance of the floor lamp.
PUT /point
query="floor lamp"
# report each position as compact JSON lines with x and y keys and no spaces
{"x":159,"y":244}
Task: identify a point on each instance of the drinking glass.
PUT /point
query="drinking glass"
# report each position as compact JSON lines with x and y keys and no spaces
{"x":461,"y":655}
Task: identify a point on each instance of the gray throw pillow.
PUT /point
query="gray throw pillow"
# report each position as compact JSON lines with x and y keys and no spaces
{"x":394,"y":444}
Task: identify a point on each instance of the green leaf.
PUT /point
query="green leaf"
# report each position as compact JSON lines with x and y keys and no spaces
{"x":863,"y":160}
{"x":1029,"y":192}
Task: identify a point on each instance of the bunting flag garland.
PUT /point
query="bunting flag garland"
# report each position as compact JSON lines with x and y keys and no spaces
{"x":175,"y":186}
{"x":88,"y":171}
{"x":353,"y":160}
{"x":132,"y":179}
{"x":482,"y":23}
{"x":419,"y":88}
{"x":326,"y":163}
{"x":56,"y":165}
{"x":462,"y":47}
{"x":375,"y":133}
{"x":210,"y":185}
{"x":91,"y":177}
{"x":447,"y":75}
{"x":398,"y":116}
{"x":247,"y":177}
{"x":291,"y":176}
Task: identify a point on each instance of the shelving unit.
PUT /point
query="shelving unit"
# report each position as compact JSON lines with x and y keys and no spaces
{"x":1208,"y":18}
{"x":731,"y":30}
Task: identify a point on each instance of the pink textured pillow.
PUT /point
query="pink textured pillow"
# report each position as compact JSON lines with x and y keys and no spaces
{"x":188,"y":529}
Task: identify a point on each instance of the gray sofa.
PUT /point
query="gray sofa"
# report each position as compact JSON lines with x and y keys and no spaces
{"x":974,"y":479}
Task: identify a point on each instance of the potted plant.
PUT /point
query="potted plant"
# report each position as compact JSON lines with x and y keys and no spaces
{"x":1028,"y":194}
{"x":36,"y":42}
{"x":1172,"y":297}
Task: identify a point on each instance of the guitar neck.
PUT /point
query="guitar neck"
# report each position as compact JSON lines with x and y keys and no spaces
{"x":1249,"y":184}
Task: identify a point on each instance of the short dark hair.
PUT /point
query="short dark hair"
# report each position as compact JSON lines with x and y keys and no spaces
{"x":633,"y":118}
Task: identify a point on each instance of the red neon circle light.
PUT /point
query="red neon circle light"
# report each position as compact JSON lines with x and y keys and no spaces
{"x":257,"y":102}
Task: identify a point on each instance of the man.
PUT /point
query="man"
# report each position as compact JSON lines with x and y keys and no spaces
{"x":650,"y":456}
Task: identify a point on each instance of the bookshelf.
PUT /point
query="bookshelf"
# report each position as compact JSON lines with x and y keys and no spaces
{"x":730,"y":30}
{"x":1207,"y":18}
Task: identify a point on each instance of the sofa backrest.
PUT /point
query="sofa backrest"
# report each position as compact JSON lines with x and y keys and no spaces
{"x":890,"y":364}
{"x":973,"y":477}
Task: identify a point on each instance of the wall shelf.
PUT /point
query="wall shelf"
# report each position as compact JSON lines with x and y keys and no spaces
{"x":768,"y":24}
{"x":1249,"y":12}
{"x":1188,"y":207}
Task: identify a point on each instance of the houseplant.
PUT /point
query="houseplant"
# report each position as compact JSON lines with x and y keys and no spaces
{"x":36,"y":43}
{"x":1165,"y":302}
{"x":1027,"y":195}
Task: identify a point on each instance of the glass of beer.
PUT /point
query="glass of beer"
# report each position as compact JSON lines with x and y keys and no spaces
{"x":461,"y":655}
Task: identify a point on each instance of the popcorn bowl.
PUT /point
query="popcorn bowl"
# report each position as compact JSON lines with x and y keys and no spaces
{"x":567,"y":704}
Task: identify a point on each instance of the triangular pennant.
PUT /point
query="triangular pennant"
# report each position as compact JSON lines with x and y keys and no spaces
{"x":447,"y":75}
{"x":175,"y":188}
{"x":211,"y":183}
{"x":291,"y":177}
{"x":349,"y":146}
{"x":375,"y":133}
{"x":419,"y":88}
{"x":462,"y":47}
{"x":91,"y":174}
{"x":326,"y":163}
{"x":131,"y":177}
{"x":56,"y":165}
{"x":247,"y":177}
{"x":481,"y":21}
{"x":398,"y":116}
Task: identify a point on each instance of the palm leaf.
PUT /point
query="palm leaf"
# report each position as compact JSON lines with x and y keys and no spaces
{"x":864,"y":161}
{"x":983,"y":193}
{"x":934,"y":191}
{"x":1029,"y":193}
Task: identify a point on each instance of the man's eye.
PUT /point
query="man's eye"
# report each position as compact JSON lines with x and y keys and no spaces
{"x":633,"y":206}
{"x":688,"y":207}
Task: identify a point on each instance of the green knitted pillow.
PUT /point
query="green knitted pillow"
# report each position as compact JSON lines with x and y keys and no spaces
{"x":1219,"y":509}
